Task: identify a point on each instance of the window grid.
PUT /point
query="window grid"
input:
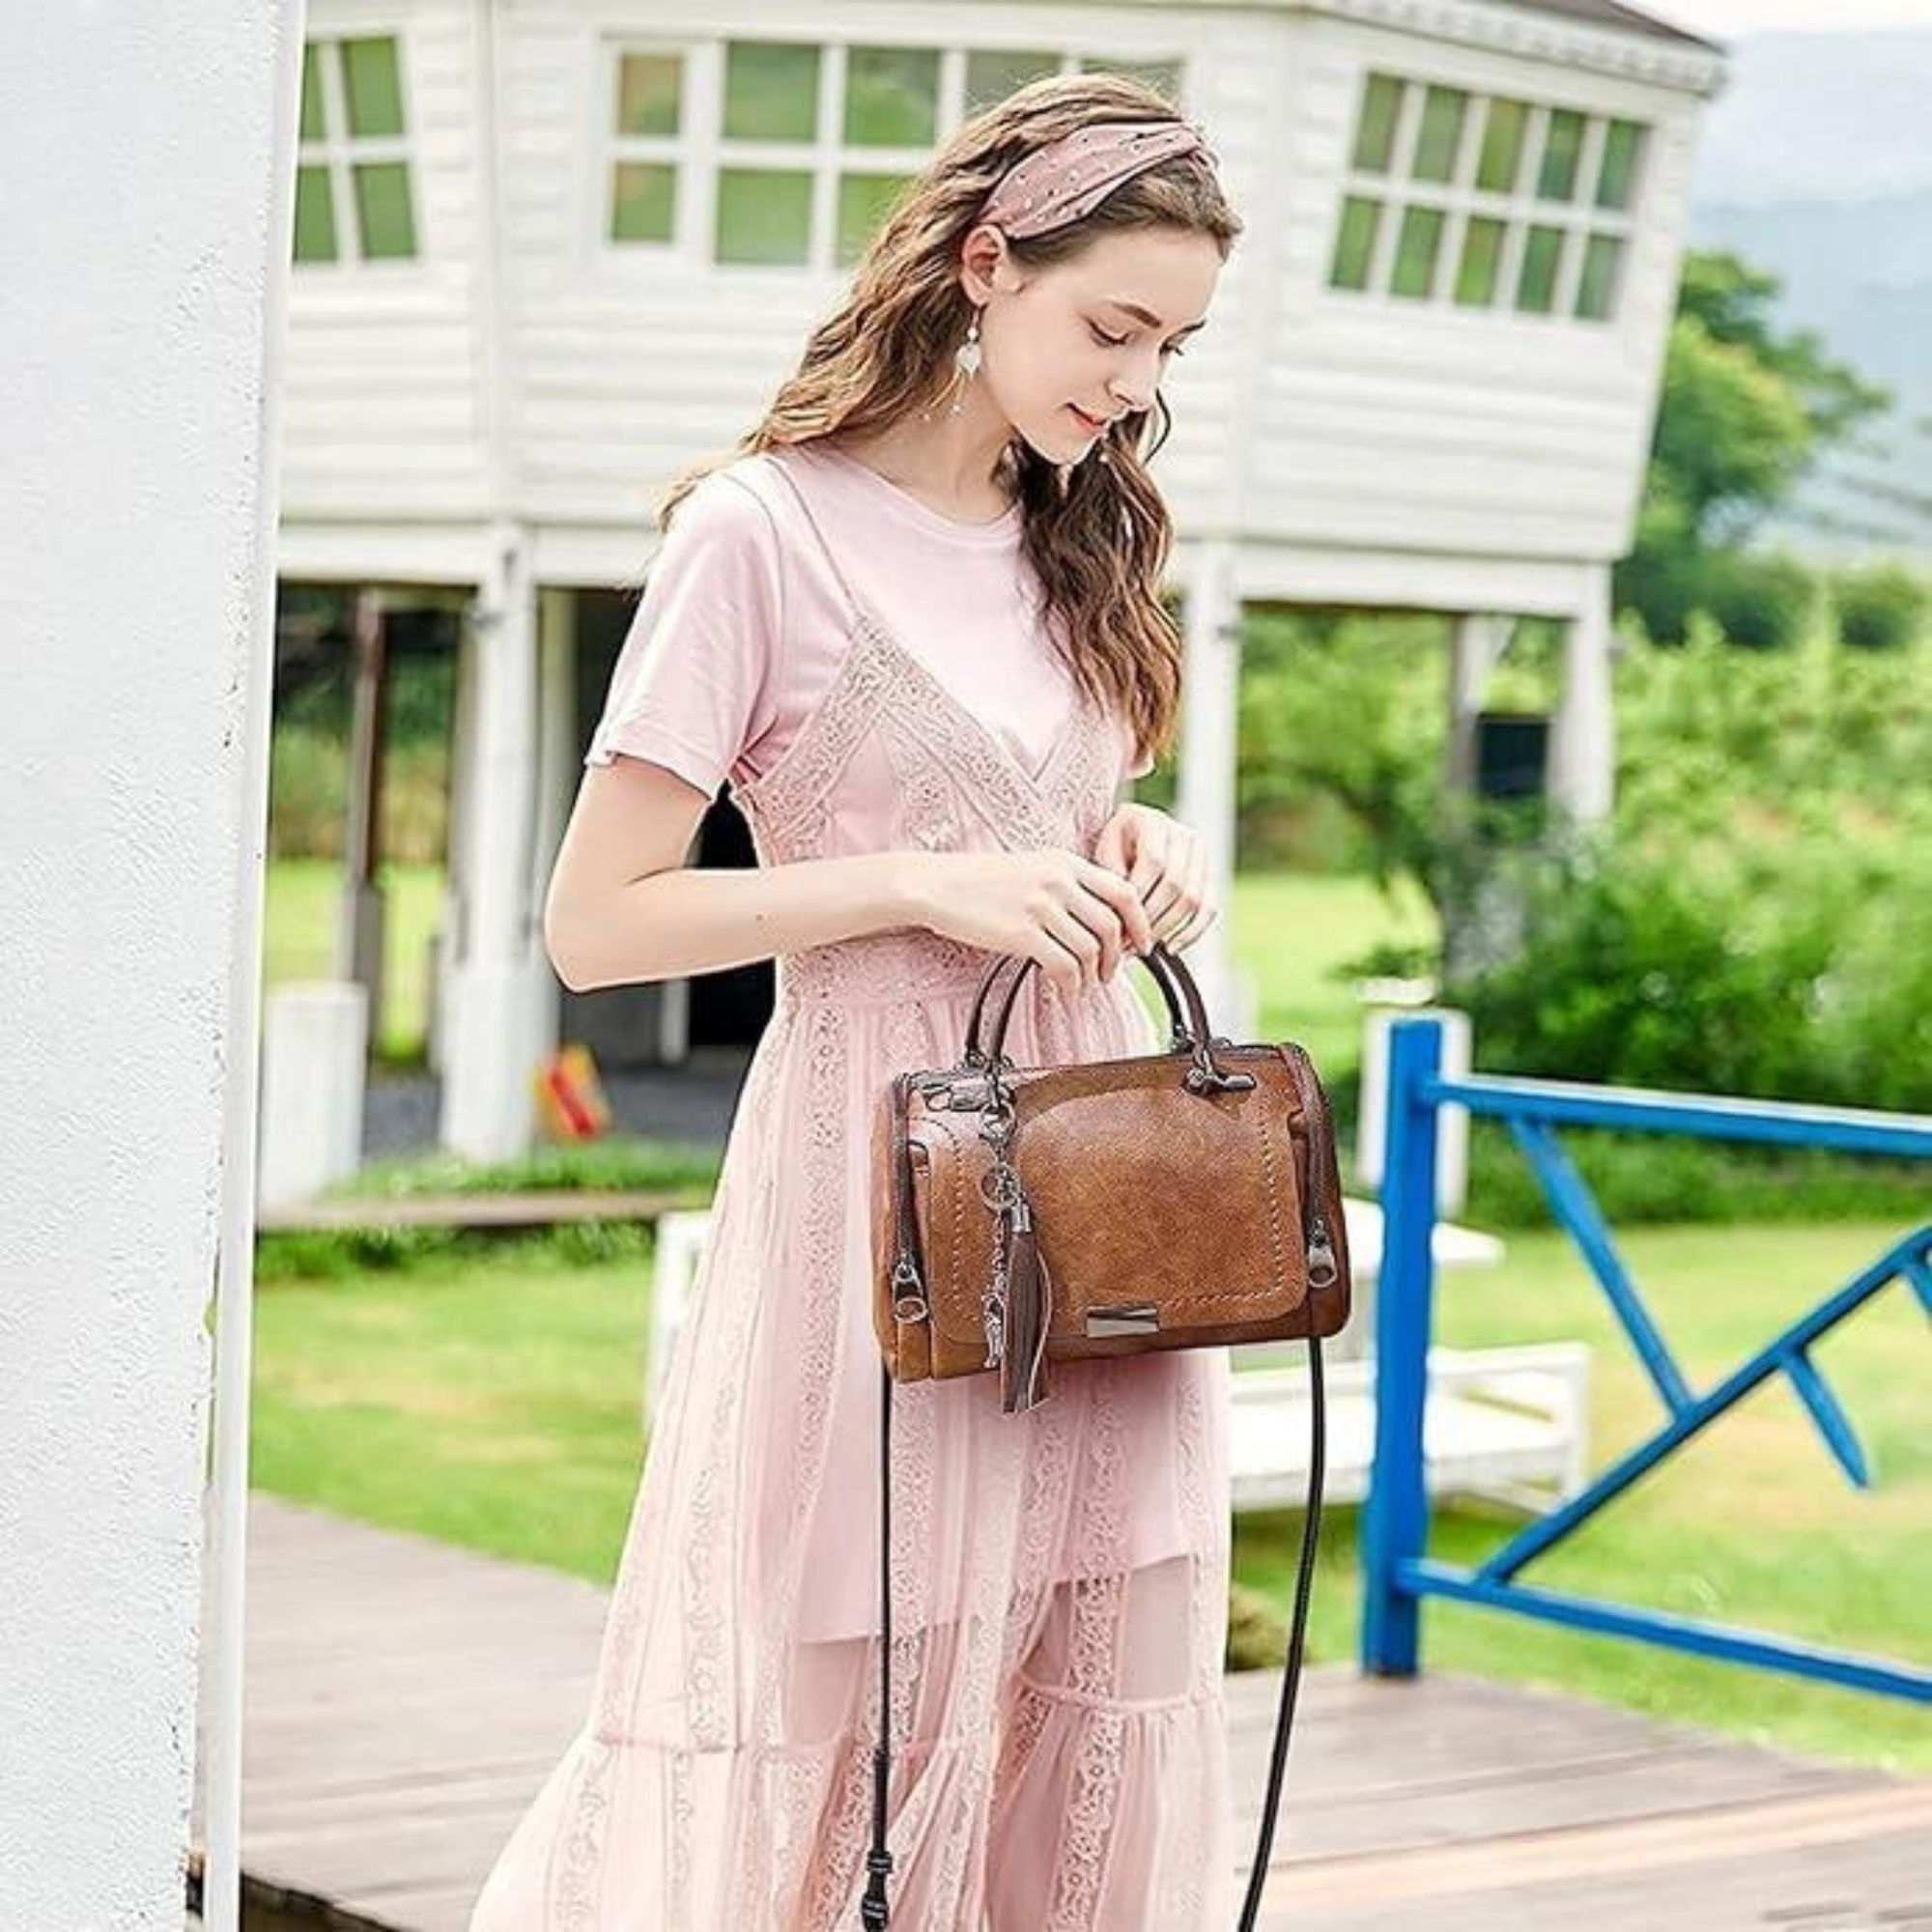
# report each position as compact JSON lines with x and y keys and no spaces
{"x":1407,"y":203}
{"x":629,"y":150}
{"x":337,"y":152}
{"x":701,"y":153}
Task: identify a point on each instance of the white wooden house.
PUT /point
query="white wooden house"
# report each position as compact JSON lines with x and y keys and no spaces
{"x":551,"y":251}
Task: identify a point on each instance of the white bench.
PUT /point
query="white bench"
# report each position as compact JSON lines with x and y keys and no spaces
{"x":1510,"y":1424}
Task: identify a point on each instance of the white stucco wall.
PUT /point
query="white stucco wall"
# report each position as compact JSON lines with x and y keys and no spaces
{"x":146,"y":234}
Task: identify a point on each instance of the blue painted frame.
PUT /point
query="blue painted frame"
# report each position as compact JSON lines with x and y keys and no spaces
{"x":1398,"y":1573}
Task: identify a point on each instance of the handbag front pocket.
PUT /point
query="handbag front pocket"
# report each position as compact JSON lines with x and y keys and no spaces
{"x":1097,"y":1198}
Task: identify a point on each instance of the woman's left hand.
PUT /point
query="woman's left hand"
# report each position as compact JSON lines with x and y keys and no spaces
{"x":1166,"y":862}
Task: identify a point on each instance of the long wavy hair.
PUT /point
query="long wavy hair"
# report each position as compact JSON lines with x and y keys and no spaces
{"x":1097,"y":531}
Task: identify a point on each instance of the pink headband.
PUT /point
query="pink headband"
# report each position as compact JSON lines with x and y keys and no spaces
{"x":1070,"y":176}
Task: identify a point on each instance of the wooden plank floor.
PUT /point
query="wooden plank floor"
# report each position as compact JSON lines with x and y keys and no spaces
{"x":405,"y":1699}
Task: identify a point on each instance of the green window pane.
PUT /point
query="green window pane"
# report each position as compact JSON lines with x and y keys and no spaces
{"x":1561,"y":147}
{"x":314,"y":121}
{"x":650,"y":90}
{"x":1355,"y":242}
{"x":1542,"y":258}
{"x":643,"y":201}
{"x":382,"y":217}
{"x":1417,"y":248}
{"x":1375,"y":129}
{"x":315,"y":217}
{"x":764,"y":214}
{"x":1623,"y":145}
{"x":892,"y":96}
{"x":994,"y":72}
{"x":863,"y":202}
{"x":1482,"y":259}
{"x":1597,"y":286}
{"x":1442,"y":111}
{"x":1163,"y":76}
{"x":1501,"y":161}
{"x":771,"y":90}
{"x":373,"y":85}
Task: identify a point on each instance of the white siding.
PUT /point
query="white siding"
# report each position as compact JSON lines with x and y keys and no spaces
{"x":632,"y":365}
{"x":1309,"y":421}
{"x":1381,"y":419}
{"x":383,"y":401}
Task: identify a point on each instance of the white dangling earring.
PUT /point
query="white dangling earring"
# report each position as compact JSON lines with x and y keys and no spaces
{"x":966,"y":362}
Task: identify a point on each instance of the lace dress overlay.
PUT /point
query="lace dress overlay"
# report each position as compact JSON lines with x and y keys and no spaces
{"x":1060,"y":1577}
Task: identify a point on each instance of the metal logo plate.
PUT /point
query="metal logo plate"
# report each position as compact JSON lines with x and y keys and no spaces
{"x":1124,"y":1317}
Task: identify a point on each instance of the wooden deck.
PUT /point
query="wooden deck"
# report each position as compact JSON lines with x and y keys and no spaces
{"x":405,"y":1699}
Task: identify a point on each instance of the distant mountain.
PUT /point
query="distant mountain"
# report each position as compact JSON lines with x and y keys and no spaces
{"x":1816,"y":164}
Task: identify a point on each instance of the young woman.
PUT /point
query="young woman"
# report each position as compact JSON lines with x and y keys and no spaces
{"x":916,"y":622}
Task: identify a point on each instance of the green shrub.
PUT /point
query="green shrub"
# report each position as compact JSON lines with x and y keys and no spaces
{"x":1258,"y":1634}
{"x":1671,"y":1178}
{"x":1803,"y":972}
{"x":307,"y":776}
{"x":1880,"y":606}
{"x":1761,"y":602}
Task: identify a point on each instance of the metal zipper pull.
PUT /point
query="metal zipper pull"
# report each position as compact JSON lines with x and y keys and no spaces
{"x":908,"y":1290}
{"x":1322,"y":1268}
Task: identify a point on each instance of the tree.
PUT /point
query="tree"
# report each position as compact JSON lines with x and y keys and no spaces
{"x":1745,"y":413}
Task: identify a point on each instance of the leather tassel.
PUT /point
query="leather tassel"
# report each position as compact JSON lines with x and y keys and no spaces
{"x":1029,"y":1316}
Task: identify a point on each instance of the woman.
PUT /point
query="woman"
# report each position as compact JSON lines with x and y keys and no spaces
{"x":916,"y":622}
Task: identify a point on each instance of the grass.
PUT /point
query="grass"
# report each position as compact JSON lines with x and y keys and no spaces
{"x":1750,"y":1523}
{"x":491,"y":1400}
{"x":1294,"y":933}
{"x":301,"y":907}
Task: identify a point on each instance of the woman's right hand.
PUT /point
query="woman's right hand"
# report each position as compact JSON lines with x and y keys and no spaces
{"x":1049,"y":904}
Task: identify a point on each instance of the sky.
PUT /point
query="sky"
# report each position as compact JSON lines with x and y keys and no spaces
{"x":1726,"y":19}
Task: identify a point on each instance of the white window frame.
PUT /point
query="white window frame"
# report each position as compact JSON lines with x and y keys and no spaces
{"x":701,"y":152}
{"x":337,"y":150}
{"x":1458,"y":199}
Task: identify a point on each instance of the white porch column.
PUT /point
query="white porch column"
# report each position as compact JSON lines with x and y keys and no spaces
{"x":141,"y":385}
{"x":1582,"y":737}
{"x":494,"y":1032}
{"x":362,"y":917}
{"x":1212,"y":680}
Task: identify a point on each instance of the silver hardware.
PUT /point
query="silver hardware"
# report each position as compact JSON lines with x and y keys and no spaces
{"x":1000,"y":1189}
{"x":1321,"y":1269}
{"x":996,"y":1330}
{"x":1126,"y":1318}
{"x":993,"y":1305}
{"x":908,"y":1292}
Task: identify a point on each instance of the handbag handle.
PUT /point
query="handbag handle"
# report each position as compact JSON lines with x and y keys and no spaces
{"x":1190,"y":1027}
{"x":1169,"y":970}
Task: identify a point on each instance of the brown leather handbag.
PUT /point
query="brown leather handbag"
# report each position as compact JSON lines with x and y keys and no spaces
{"x":1024,"y":1216}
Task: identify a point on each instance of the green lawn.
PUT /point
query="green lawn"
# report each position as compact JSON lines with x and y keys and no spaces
{"x":494,"y":1404}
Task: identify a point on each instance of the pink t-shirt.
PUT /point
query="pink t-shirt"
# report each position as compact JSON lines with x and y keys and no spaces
{"x":742,"y":626}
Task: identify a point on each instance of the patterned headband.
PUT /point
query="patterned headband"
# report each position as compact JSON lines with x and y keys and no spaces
{"x":1070,"y":176}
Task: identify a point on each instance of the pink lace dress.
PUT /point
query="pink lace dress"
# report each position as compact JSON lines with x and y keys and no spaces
{"x":870,"y":674}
